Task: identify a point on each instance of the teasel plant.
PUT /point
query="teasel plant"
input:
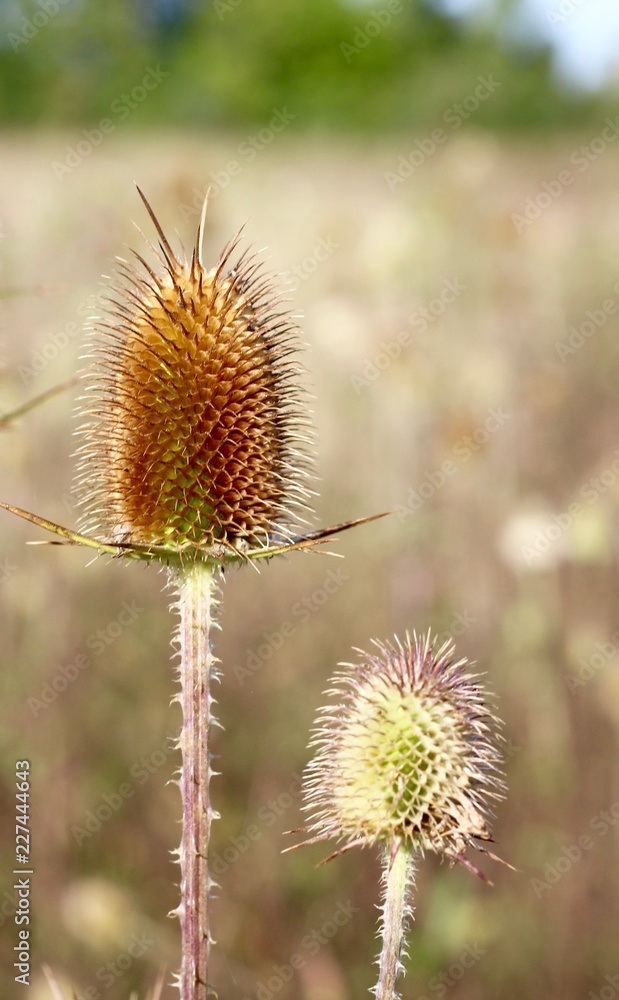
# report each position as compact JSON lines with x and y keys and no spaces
{"x":195,"y":453}
{"x":407,"y":759}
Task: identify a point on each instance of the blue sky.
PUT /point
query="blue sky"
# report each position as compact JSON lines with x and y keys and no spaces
{"x":583,"y":34}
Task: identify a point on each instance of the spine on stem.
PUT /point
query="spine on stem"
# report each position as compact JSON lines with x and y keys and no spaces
{"x":197,"y":587}
{"x":398,"y":881}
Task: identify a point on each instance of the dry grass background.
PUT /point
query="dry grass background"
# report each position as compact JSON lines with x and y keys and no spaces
{"x":530,"y":622}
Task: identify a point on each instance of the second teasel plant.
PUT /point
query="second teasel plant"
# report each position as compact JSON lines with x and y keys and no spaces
{"x":195,"y":454}
{"x":408,"y":760}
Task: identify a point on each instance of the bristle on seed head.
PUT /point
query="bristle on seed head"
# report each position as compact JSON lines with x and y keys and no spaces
{"x":195,"y":436}
{"x":406,"y":753}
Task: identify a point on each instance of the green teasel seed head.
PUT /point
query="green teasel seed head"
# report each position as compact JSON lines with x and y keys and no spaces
{"x":195,"y":435}
{"x":407,"y":755}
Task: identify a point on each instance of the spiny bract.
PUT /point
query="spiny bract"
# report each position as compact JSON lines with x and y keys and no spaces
{"x":195,"y":435}
{"x":406,"y":754}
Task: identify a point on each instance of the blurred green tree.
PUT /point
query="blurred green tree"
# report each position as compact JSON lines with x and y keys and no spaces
{"x":229,"y":63}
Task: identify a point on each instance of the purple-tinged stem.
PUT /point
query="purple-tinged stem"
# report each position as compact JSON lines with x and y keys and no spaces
{"x":197,"y":586}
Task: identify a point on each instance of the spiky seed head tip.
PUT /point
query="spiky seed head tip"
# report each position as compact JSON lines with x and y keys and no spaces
{"x":406,"y":754}
{"x":195,"y":434}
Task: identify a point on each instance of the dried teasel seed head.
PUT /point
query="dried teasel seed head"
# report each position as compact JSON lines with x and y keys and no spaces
{"x":195,"y":435}
{"x":406,"y":754}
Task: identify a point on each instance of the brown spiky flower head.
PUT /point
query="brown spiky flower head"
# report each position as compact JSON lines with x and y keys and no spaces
{"x":406,"y":755}
{"x":194,"y":440}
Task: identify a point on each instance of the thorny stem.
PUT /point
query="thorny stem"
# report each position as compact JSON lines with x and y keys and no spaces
{"x":398,"y":881}
{"x":197,"y":587}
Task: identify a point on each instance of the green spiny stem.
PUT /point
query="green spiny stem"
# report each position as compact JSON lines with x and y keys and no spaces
{"x":398,"y":881}
{"x":197,"y":586}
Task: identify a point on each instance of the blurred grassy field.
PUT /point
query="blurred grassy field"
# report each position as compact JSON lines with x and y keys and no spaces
{"x":446,"y":387}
